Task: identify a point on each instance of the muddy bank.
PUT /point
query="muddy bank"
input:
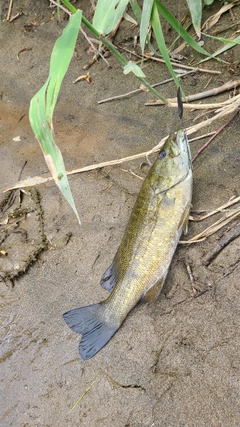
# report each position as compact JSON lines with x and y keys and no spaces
{"x":174,"y":362}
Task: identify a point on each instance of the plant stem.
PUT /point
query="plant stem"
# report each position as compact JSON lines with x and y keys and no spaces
{"x":70,"y":6}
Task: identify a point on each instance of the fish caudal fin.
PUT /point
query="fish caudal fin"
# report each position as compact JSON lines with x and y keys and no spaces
{"x":88,"y":322}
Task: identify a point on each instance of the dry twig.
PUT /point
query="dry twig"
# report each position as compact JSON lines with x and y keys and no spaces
{"x":174,"y":64}
{"x":212,"y":92}
{"x":221,"y":244}
{"x":229,"y":216}
{"x":128,"y":94}
{"x":222,"y":208}
{"x":9,"y":9}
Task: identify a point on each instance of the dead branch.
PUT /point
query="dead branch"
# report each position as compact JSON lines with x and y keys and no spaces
{"x":212,"y":92}
{"x":221,"y":244}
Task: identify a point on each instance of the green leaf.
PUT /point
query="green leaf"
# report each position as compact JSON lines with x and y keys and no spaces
{"x":223,"y":49}
{"x":195,"y":7}
{"x":134,"y":68}
{"x":107,"y":14}
{"x":136,"y":10}
{"x":222,"y":40}
{"x":157,"y":28}
{"x":43,"y":103}
{"x":69,"y":6}
{"x":145,"y":19}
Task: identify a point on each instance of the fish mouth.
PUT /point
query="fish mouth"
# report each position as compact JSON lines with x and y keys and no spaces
{"x":181,"y":140}
{"x":174,"y":149}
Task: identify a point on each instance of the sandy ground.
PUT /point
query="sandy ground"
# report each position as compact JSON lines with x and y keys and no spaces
{"x":174,"y":362}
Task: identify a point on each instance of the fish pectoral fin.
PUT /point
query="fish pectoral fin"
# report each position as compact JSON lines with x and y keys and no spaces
{"x":154,"y":291}
{"x":110,"y":277}
{"x":88,"y":322}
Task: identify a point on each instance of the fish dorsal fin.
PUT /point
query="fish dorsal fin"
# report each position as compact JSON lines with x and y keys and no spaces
{"x":154,"y":291}
{"x":110,"y":277}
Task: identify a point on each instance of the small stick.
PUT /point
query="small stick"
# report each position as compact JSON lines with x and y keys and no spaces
{"x":23,"y":50}
{"x":194,"y":106}
{"x":189,"y":271}
{"x":97,"y":51}
{"x":86,"y":391}
{"x":216,"y":133}
{"x":235,"y":213}
{"x":126,"y":95}
{"x":212,"y":92}
{"x":223,"y":29}
{"x":9,"y":9}
{"x":208,"y":83}
{"x":186,"y":67}
{"x":201,"y":136}
{"x":15,"y":16}
{"x":175,"y":64}
{"x":132,"y":173}
{"x":196,"y":292}
{"x":61,"y":7}
{"x":222,"y":208}
{"x":221,"y":244}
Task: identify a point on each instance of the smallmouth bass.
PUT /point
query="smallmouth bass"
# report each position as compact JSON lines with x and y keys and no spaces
{"x":140,"y":266}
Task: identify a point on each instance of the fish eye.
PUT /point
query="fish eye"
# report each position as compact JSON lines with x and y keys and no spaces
{"x":162,"y":155}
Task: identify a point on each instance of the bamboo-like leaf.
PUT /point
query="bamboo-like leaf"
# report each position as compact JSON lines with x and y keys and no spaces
{"x":43,"y":103}
{"x":195,"y":7}
{"x":107,"y":14}
{"x":145,"y":19}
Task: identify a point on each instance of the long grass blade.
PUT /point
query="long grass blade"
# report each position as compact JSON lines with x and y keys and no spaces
{"x":223,"y":40}
{"x":43,"y":103}
{"x":145,"y":20}
{"x":223,"y":49}
{"x":157,"y":28}
{"x":136,"y":10}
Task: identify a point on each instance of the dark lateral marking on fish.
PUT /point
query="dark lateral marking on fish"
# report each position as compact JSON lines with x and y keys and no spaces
{"x":180,"y":103}
{"x":87,"y":322}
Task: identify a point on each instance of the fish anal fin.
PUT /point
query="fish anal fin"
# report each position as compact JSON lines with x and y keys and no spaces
{"x":110,"y":277}
{"x":89,"y":322}
{"x":154,"y":291}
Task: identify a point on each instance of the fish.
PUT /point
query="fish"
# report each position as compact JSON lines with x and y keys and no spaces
{"x":141,"y":263}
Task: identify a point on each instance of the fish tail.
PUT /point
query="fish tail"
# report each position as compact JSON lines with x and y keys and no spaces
{"x":90,"y":323}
